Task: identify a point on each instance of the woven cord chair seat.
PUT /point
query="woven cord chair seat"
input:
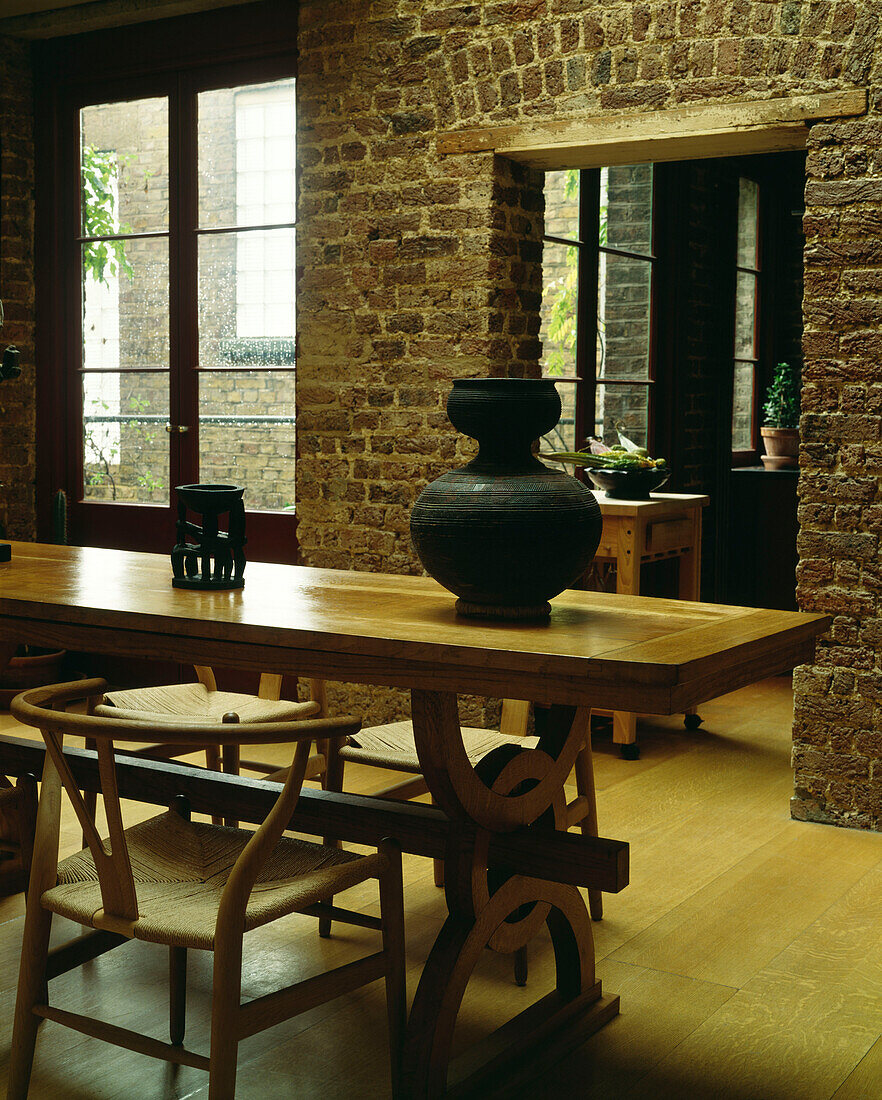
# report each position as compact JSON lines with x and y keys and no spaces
{"x":392,"y":746}
{"x":180,"y":869}
{"x":196,"y":701}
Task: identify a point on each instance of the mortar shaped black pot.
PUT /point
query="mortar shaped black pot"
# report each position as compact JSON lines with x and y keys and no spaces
{"x":505,"y":533}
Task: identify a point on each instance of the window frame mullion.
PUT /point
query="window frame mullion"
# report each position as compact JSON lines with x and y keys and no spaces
{"x":751,"y":455}
{"x":587,"y":302}
{"x":652,"y":259}
{"x":183,"y":280}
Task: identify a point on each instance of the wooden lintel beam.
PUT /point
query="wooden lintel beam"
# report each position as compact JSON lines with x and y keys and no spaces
{"x":79,"y":16}
{"x":689,"y":132}
{"x":571,"y":858}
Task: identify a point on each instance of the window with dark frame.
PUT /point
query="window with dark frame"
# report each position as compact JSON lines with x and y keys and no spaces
{"x":174,"y":199}
{"x":599,"y":276}
{"x":242,"y":243}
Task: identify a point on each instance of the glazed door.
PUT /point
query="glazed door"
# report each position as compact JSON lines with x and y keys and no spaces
{"x":179,"y":356}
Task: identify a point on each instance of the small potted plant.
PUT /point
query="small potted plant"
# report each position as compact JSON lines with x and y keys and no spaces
{"x":780,"y":429}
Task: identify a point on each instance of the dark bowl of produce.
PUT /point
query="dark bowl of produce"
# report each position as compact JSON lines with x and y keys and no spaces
{"x":630,"y":484}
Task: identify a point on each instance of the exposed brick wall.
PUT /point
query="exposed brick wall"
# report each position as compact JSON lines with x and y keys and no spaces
{"x":417,"y":268}
{"x":408,"y":278}
{"x":17,"y":398}
{"x":402,"y":251}
{"x":838,"y":722}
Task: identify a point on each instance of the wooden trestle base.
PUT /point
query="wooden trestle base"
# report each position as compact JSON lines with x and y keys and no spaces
{"x":534,"y":1040}
{"x":505,"y":792}
{"x":572,"y":1012}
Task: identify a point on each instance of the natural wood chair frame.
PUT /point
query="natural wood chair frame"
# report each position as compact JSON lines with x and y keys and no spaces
{"x":118,"y":919}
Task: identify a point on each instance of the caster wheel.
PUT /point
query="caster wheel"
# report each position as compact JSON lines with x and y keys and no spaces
{"x":630,"y":752}
{"x":692,"y":721}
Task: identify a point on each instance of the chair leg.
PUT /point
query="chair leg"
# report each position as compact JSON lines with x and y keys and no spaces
{"x":226,"y":992}
{"x":392,"y":913}
{"x":90,"y":798}
{"x":332,"y":780}
{"x":213,"y":761}
{"x":585,"y":786}
{"x":31,"y":991}
{"x":177,"y":994}
{"x":32,"y":981}
{"x":177,"y":959}
{"x":231,"y":767}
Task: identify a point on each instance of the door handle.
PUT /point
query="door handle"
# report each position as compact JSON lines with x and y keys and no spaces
{"x":179,"y":428}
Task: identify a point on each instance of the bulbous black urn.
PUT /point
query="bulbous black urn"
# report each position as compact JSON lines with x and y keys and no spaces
{"x":505,"y":533}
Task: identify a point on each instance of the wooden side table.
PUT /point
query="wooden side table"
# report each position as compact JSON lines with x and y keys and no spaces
{"x":668,"y":525}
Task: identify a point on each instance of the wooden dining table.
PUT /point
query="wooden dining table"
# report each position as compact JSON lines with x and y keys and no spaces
{"x":610,"y":651}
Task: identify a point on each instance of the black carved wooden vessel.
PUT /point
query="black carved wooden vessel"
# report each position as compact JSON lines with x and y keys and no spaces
{"x":205,"y":556}
{"x":505,"y":533}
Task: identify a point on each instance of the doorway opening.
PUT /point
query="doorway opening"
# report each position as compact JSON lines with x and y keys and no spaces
{"x":670,"y":291}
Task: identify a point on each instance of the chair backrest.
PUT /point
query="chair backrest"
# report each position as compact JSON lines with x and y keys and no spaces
{"x":43,"y":708}
{"x":269,"y":687}
{"x":515,"y":716}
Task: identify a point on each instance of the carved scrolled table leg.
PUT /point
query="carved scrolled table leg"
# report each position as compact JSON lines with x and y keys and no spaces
{"x":491,"y":907}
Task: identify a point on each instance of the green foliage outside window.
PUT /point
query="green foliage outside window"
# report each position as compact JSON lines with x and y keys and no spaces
{"x":562,"y":293}
{"x":99,"y":171}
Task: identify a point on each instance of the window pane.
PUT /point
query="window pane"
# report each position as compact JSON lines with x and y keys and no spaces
{"x":560,"y":295}
{"x":124,"y":165}
{"x":247,"y":155}
{"x":562,"y":437}
{"x":742,"y":408}
{"x":748,"y":222}
{"x":625,"y":408}
{"x":745,"y":316}
{"x":125,"y":305}
{"x":626,"y":208}
{"x":125,"y":444}
{"x":562,"y":204}
{"x":246,"y":297}
{"x":623,"y":317}
{"x":246,"y":434}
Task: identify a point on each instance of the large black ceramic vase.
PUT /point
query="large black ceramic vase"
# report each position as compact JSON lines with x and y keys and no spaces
{"x":505,"y":533}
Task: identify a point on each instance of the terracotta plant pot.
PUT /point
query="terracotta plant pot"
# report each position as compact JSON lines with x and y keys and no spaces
{"x":782,"y":447}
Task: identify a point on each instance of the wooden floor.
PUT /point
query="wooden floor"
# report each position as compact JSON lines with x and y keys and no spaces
{"x":747,"y":951}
